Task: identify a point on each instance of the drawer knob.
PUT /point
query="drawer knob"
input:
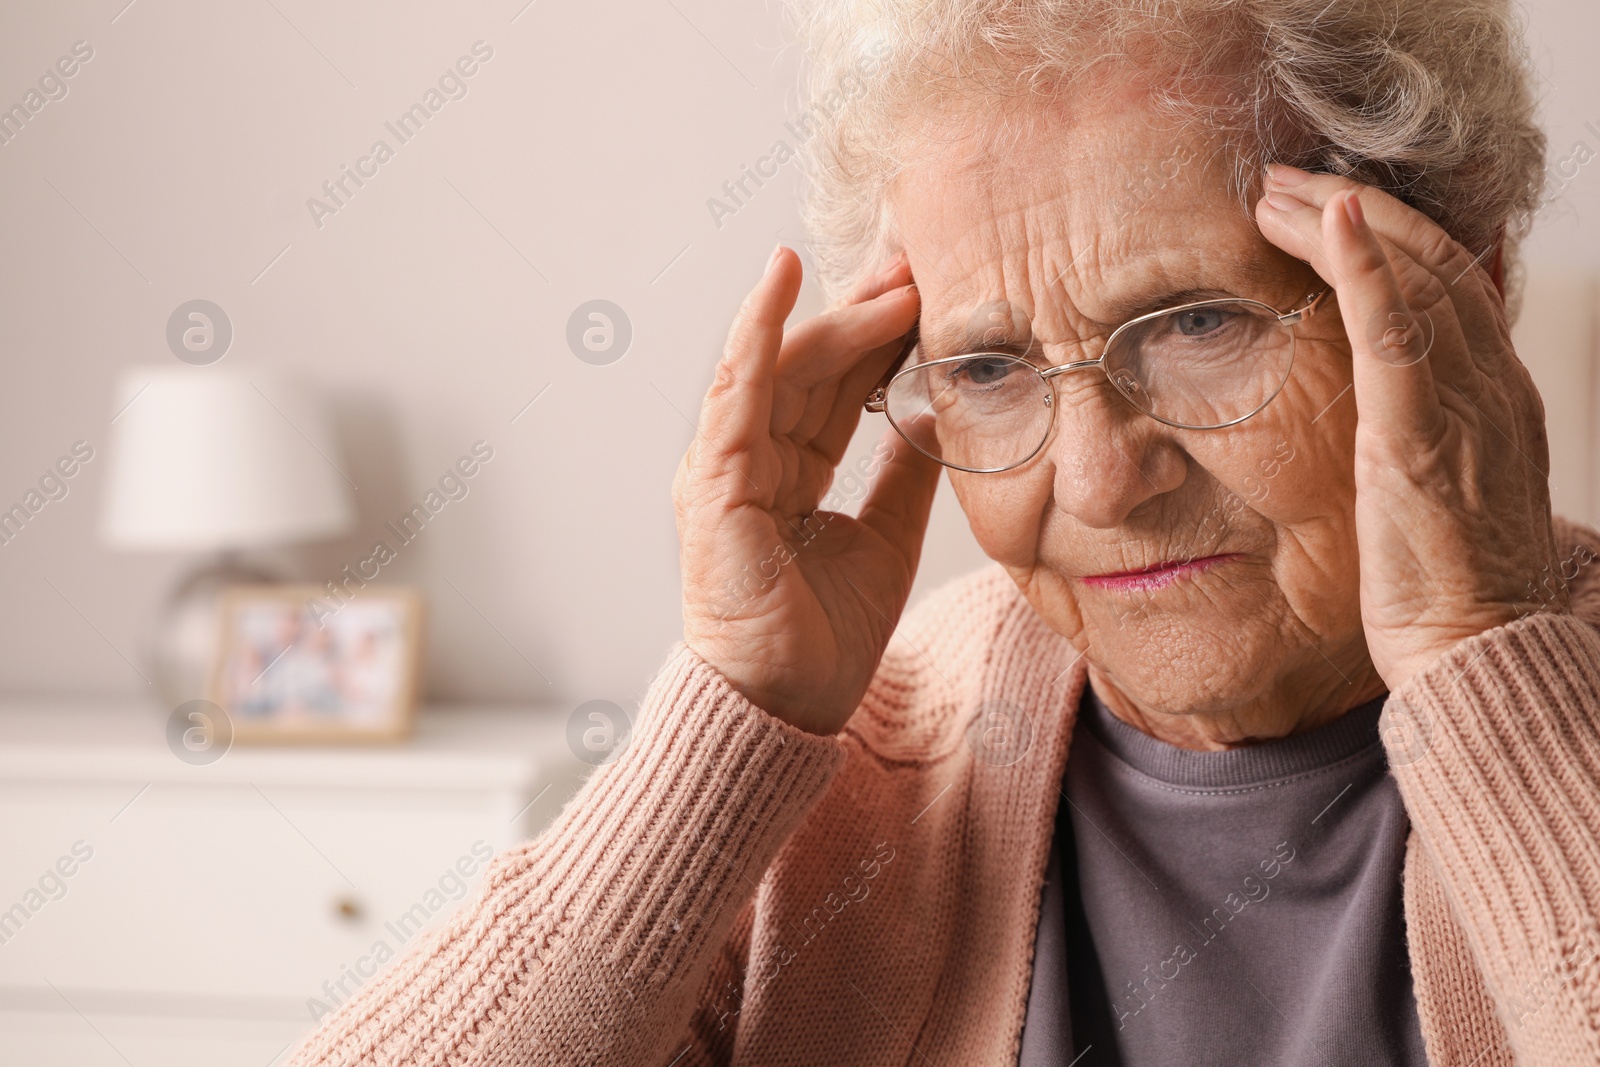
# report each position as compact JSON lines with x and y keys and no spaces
{"x":348,"y":909}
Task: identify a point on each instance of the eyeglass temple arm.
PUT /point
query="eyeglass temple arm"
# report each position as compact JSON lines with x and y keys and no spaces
{"x":878,"y":399}
{"x":1313,"y":302}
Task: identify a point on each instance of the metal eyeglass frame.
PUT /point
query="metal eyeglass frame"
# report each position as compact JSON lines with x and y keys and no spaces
{"x":878,"y":399}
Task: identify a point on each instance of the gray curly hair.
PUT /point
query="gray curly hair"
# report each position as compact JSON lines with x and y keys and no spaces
{"x":1429,"y":100}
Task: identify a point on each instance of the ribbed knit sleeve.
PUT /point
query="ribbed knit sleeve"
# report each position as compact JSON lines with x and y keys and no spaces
{"x":1497,"y":754}
{"x":593,"y":943}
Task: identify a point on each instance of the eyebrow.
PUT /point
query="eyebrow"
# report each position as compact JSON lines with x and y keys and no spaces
{"x":958,"y":339}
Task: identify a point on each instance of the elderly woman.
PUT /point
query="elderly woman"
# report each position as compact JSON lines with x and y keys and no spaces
{"x":1209,"y":332}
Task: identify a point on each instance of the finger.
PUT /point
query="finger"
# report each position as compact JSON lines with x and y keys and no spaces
{"x":738,"y":406}
{"x":828,"y":345}
{"x":895,"y":272}
{"x":831,"y":421}
{"x":1395,"y":391}
{"x":822,"y":351}
{"x":1299,"y":229}
{"x":900,"y":500}
{"x":1461,"y":272}
{"x":1419,"y":236}
{"x":844,"y":414}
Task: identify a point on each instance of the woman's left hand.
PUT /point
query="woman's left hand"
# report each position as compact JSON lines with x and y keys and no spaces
{"x":1452,"y":464}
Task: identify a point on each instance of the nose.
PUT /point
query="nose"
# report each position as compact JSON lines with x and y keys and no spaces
{"x":1109,"y":458}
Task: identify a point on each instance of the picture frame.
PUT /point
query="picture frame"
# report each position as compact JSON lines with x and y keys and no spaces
{"x":294,"y":665}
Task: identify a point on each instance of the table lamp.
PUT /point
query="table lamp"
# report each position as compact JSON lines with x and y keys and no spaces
{"x":216,"y":462}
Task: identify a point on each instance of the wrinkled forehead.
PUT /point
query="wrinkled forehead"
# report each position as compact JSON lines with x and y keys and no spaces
{"x":1070,"y":226}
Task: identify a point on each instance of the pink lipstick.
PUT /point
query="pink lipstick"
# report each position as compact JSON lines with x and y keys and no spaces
{"x":1159,"y":576}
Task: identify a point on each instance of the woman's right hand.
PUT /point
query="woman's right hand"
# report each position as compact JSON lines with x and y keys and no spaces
{"x":793,"y":605}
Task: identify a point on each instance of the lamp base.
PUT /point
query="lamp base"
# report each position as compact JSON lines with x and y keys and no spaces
{"x":183,"y":644}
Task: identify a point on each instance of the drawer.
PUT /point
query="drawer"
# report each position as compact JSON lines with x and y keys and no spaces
{"x":66,"y":1039}
{"x":200,"y":895}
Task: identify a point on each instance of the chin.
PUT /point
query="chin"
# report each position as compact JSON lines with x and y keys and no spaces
{"x":1186,"y":663}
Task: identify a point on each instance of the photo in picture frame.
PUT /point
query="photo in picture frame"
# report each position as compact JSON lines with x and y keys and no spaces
{"x":290,"y":669}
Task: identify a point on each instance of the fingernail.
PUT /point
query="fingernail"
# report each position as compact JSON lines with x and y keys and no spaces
{"x":1283,"y":202}
{"x":1281,"y":174}
{"x":1352,"y":208}
{"x":772,"y":260}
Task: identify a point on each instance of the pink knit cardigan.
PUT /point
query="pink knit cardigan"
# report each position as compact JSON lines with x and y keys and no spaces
{"x":733,"y":890}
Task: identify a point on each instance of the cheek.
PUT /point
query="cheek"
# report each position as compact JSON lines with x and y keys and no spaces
{"x":1294,"y":462}
{"x":1311,"y":478}
{"x":1006,"y":510}
{"x":1293,"y":469}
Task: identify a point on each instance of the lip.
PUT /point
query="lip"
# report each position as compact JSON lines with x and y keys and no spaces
{"x":1157,"y":577}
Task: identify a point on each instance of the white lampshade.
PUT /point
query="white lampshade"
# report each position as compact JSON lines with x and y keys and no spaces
{"x":208,"y":459}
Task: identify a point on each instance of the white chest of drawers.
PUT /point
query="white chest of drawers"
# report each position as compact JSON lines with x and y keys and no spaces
{"x":156,"y":912}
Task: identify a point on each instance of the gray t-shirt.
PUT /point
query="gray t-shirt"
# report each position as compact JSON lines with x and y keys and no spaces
{"x":1228,"y":907}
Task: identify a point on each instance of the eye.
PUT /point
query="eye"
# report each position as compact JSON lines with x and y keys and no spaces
{"x":983,"y":371}
{"x":1198,"y":322}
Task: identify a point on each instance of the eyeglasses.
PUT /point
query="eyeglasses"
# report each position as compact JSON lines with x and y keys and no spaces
{"x":1197,"y":366}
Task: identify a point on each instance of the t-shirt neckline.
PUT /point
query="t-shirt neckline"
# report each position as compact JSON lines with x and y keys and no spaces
{"x":1258,"y":764}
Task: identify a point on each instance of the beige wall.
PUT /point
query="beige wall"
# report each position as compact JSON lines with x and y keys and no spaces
{"x":433,"y":305}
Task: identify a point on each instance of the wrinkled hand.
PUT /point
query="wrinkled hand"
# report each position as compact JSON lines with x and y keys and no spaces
{"x":1451,"y":459}
{"x":795,"y":605}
